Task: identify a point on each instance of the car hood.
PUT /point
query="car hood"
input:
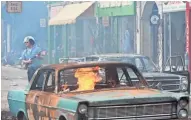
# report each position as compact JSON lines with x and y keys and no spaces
{"x":131,"y":96}
{"x":160,"y":75}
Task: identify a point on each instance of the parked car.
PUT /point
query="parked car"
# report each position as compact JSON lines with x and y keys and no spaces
{"x":174,"y":81}
{"x":94,"y":91}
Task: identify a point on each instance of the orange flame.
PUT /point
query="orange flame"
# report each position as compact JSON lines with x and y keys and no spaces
{"x":87,"y":78}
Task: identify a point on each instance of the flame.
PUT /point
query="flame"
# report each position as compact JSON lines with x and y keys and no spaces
{"x":87,"y":78}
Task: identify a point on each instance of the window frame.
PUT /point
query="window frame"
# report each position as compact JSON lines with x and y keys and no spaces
{"x":140,"y":77}
{"x":47,"y":79}
{"x":37,"y":76}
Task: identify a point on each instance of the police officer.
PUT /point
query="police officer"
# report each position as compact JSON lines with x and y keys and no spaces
{"x":31,"y":56}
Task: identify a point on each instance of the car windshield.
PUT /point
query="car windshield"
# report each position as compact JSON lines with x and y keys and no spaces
{"x":149,"y":65}
{"x":98,"y":78}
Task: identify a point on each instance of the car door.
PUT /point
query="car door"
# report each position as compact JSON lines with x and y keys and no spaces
{"x":40,"y":102}
{"x":48,"y":99}
{"x":35,"y":89}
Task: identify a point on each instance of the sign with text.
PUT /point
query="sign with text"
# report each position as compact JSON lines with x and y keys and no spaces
{"x":42,"y":22}
{"x":154,"y":19}
{"x":115,"y":8}
{"x":14,"y":6}
{"x":174,"y":6}
{"x":55,"y":10}
{"x":107,"y":4}
{"x":105,"y":21}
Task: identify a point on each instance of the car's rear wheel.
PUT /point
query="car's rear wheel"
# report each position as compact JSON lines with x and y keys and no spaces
{"x":21,"y":116}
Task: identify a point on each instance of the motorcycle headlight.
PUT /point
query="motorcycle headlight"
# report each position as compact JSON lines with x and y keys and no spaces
{"x":183,"y":103}
{"x":183,"y":113}
{"x":184,"y":84}
{"x":82,"y":109}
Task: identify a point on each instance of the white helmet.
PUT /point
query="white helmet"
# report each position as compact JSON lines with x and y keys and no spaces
{"x":26,"y":39}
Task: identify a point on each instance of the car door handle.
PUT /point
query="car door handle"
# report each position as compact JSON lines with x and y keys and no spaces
{"x":51,"y":107}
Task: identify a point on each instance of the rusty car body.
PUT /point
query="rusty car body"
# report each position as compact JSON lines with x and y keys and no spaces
{"x":172,"y":81}
{"x":54,"y":94}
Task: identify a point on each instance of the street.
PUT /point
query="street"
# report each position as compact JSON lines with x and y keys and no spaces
{"x":12,"y":78}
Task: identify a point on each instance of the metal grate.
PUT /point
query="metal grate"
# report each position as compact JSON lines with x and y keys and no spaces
{"x":168,"y":84}
{"x":131,"y":111}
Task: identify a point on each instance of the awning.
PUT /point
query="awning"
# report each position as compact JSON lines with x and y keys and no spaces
{"x":69,"y":13}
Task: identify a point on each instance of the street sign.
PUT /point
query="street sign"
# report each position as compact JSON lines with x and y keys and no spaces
{"x":42,"y":22}
{"x":55,"y":10}
{"x":14,"y":6}
{"x":107,"y":4}
{"x":174,"y":6}
{"x":105,"y":21}
{"x":154,"y":19}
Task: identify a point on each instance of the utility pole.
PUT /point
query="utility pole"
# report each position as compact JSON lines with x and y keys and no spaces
{"x":188,"y":34}
{"x":138,"y":27}
{"x":161,"y":38}
{"x":48,"y":31}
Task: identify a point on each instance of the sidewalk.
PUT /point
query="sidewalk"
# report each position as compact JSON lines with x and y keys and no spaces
{"x":19,"y":66}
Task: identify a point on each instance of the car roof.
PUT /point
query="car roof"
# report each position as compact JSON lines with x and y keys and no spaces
{"x":116,"y":55}
{"x":85,"y":64}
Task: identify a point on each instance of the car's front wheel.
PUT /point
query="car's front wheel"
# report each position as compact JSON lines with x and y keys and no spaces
{"x":62,"y":118}
{"x":21,"y":116}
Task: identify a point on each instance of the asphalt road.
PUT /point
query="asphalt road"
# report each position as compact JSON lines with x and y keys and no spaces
{"x":12,"y":78}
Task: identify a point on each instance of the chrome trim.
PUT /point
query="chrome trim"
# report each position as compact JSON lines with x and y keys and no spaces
{"x":175,"y":90}
{"x":147,"y":117}
{"x":160,"y":80}
{"x":141,"y":113}
{"x":135,"y":105}
{"x":171,"y":85}
{"x":168,"y":84}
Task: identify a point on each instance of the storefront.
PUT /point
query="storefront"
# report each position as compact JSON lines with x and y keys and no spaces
{"x":174,"y":28}
{"x":69,"y":30}
{"x":116,"y":23}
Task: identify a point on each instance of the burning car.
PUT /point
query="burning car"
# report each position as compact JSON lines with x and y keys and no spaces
{"x":173,"y":81}
{"x":94,"y":91}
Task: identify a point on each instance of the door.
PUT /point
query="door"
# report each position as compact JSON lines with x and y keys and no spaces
{"x":35,"y":90}
{"x":39,"y":100}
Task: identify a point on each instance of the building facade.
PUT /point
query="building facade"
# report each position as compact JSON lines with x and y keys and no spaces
{"x":116,"y":21}
{"x":71,"y":30}
{"x":29,"y":22}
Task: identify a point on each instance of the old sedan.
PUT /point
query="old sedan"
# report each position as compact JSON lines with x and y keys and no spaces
{"x":94,"y":91}
{"x":171,"y":81}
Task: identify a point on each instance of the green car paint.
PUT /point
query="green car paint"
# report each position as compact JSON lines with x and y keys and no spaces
{"x":16,"y":101}
{"x":67,"y":104}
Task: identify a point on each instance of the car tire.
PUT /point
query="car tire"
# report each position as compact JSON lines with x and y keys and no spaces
{"x":21,"y":116}
{"x":62,"y":118}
